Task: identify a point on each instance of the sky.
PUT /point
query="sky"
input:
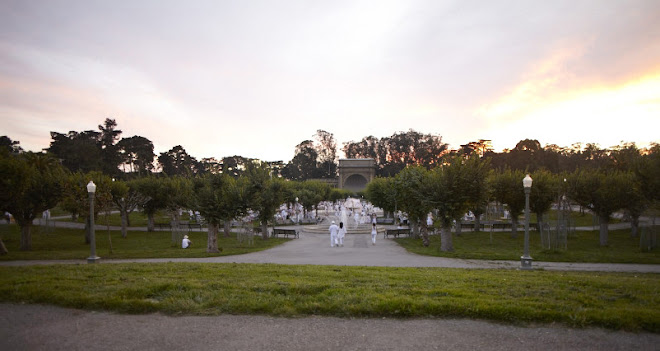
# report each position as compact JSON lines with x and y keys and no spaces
{"x":256,"y":78}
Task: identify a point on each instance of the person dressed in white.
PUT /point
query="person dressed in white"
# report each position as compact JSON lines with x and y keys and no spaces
{"x":185,"y":243}
{"x":341,"y":234}
{"x":374,"y":232}
{"x":356,"y":217}
{"x":429,"y":223}
{"x":334,"y":230}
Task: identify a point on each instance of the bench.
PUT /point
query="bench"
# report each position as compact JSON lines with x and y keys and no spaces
{"x":285,"y":232}
{"x":397,"y":232}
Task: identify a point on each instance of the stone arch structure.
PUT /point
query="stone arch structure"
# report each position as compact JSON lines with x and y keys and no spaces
{"x":356,"y":173}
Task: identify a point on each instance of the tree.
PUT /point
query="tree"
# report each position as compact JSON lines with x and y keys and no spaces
{"x":544,"y":192}
{"x":506,"y":188}
{"x":138,"y":153}
{"x":126,"y":199}
{"x":310,"y":193}
{"x":477,"y":191}
{"x":303,"y":166}
{"x":366,"y":148}
{"x":75,"y":198}
{"x":79,"y":152}
{"x":601,"y":192}
{"x":394,"y":153}
{"x":326,"y":150}
{"x":219,"y":198}
{"x":265,"y":194}
{"x":109,"y":149}
{"x":382,"y":193}
{"x":176,"y":161}
{"x":412,"y":196}
{"x":11,"y":146}
{"x":30,"y":184}
{"x":235,"y":166}
{"x":447,"y":193}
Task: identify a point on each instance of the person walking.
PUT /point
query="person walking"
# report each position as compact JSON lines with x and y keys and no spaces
{"x":374,"y":233}
{"x":341,"y":234}
{"x":334,"y":230}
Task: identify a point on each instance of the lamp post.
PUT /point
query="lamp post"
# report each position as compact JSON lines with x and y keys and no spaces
{"x":91,"y":190}
{"x":525,"y":260}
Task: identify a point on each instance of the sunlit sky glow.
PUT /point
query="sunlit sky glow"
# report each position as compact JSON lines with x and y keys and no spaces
{"x":255,"y":78}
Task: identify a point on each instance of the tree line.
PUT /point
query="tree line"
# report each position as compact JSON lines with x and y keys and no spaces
{"x":469,"y":183}
{"x":417,"y":172}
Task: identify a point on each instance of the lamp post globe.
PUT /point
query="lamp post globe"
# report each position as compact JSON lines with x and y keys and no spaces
{"x":525,"y":259}
{"x":91,"y":190}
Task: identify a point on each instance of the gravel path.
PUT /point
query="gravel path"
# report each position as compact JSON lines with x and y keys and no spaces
{"x":34,"y":327}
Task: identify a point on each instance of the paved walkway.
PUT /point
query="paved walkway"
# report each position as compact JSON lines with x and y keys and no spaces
{"x":357,"y":251}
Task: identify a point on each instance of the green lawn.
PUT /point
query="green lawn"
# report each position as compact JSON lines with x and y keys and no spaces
{"x":583,"y":246}
{"x":578,"y":299}
{"x":60,"y":243}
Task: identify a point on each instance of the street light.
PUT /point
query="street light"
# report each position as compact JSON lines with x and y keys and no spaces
{"x":525,"y":260}
{"x":91,"y":189}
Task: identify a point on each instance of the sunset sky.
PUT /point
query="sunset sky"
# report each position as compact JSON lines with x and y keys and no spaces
{"x":255,"y":78}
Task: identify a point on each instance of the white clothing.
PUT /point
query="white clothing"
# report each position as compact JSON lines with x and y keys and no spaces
{"x":341,"y":235}
{"x":185,"y":243}
{"x":334,"y":229}
{"x":374,"y":233}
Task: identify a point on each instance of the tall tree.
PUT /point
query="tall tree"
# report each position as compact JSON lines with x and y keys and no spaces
{"x":109,"y":149}
{"x":326,"y":150}
{"x":176,"y":161}
{"x":138,"y":153}
{"x":79,"y":152}
{"x":12,"y":146}
{"x":30,"y":184}
{"x":304,"y":164}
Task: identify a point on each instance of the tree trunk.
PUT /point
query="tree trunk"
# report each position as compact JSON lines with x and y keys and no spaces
{"x":514,"y":227}
{"x":634,"y":226}
{"x":477,"y":222}
{"x":174,"y":225}
{"x":264,"y":230}
{"x":604,"y":221}
{"x":445,"y":238}
{"x":227,"y":228}
{"x":425,"y":234}
{"x":3,"y":248}
{"x":26,"y":236}
{"x":459,"y":227}
{"x":212,"y":244}
{"x":415,"y":228}
{"x":539,"y":221}
{"x":150,"y":222}
{"x":124,"y":223}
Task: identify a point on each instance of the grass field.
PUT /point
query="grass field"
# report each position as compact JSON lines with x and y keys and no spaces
{"x":583,"y":246}
{"x":616,"y":301}
{"x":61,"y":243}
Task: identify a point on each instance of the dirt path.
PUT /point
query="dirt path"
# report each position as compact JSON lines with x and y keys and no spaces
{"x":35,"y":327}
